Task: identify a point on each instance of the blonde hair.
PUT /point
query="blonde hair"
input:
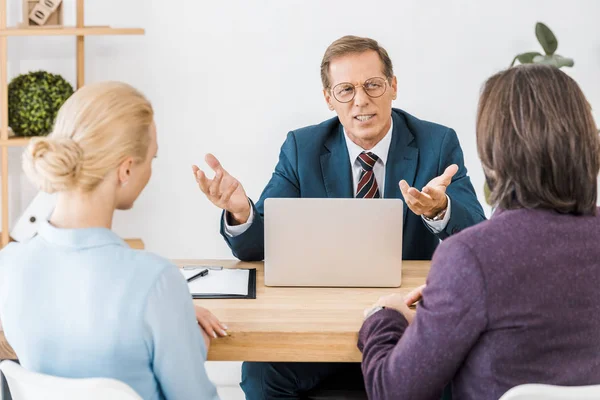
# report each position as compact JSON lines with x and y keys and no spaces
{"x":96,"y":129}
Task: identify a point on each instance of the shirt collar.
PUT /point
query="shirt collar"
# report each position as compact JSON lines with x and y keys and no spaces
{"x":80,"y":237}
{"x":381,"y":149}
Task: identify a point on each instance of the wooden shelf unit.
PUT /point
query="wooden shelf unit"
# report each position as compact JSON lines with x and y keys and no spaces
{"x":70,"y":31}
{"x":15,"y":141}
{"x":80,"y":31}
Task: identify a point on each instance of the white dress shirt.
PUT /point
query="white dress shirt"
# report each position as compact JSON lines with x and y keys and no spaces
{"x":381,"y":150}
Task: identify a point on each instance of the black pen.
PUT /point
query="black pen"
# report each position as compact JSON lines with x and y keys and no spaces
{"x":200,"y":274}
{"x":204,"y":273}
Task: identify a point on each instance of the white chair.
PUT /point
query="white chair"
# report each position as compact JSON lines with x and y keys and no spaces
{"x":27,"y":385}
{"x":532,"y":391}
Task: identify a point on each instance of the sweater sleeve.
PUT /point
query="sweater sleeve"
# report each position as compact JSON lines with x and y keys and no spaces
{"x":418,"y":361}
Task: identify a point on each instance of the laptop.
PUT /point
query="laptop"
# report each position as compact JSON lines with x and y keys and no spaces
{"x":333,"y":242}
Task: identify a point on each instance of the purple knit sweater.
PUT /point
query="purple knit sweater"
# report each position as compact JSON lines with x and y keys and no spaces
{"x":512,"y":300}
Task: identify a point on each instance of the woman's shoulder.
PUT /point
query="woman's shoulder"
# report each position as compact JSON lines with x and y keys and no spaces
{"x":150,"y":259}
{"x":151,"y":274}
{"x":148,"y":263}
{"x":502,"y":222}
{"x":492,"y":233}
{"x":15,"y":252}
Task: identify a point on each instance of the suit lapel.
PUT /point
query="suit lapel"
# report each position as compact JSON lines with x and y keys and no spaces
{"x":335,"y":164}
{"x":401,"y":162}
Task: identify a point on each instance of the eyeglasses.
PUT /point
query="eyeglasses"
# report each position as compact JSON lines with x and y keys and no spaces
{"x":374,"y":87}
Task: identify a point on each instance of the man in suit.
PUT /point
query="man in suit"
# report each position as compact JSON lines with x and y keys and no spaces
{"x":369,"y":150}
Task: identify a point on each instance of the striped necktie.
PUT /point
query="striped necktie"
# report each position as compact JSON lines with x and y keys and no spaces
{"x":367,"y":185}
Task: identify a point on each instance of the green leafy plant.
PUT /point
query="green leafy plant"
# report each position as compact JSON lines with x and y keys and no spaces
{"x":549,"y":43}
{"x":34,"y":100}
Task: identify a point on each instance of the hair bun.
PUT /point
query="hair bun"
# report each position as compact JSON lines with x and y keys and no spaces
{"x":53,"y":164}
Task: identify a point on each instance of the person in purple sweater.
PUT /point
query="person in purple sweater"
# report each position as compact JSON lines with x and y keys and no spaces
{"x":514,"y":299}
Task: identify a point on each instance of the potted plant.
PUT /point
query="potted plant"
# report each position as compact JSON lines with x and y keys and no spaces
{"x":549,"y":44}
{"x":34,"y":100}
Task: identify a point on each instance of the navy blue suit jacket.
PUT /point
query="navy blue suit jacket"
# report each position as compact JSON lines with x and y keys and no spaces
{"x":314,"y":162}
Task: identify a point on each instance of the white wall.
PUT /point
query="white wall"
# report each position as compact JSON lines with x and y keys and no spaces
{"x":233,"y":77}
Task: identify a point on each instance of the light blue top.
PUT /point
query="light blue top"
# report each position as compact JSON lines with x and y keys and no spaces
{"x":81,"y":303}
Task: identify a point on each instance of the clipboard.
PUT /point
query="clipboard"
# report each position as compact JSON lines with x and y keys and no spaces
{"x":251,"y":293}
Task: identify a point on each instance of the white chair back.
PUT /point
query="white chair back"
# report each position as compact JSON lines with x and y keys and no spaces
{"x":28,"y":385}
{"x":532,"y":391}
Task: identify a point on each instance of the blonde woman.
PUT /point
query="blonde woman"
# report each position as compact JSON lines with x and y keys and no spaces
{"x":75,"y":300}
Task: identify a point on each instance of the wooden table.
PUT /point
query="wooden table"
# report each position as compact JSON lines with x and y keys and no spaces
{"x":291,"y":324}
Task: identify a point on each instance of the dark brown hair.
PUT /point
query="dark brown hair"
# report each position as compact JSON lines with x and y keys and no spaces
{"x":537,"y":141}
{"x":354,"y":44}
